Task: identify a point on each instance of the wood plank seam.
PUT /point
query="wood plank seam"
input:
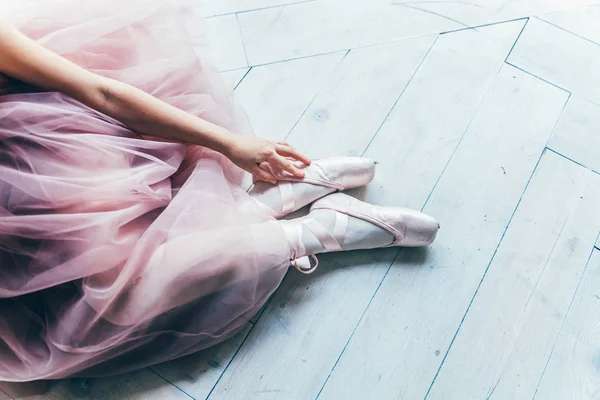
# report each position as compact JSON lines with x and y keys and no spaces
{"x":170,"y":383}
{"x":558,"y":120}
{"x":484,"y":274}
{"x":475,"y":27}
{"x":536,"y":284}
{"x":573,"y":161}
{"x":299,"y":118}
{"x":220,"y":375}
{"x":544,"y":45}
{"x":6,"y":394}
{"x":526,"y":19}
{"x":237,"y":22}
{"x":252,"y":325}
{"x":243,"y":77}
{"x":459,"y":142}
{"x":398,"y":251}
{"x":310,"y":56}
{"x":424,"y":205}
{"x":538,"y":77}
{"x":565,"y":318}
{"x":574,"y":139}
{"x":516,"y":40}
{"x":399,"y":97}
{"x":443,"y":171}
{"x":539,"y":18}
{"x":366,"y":149}
{"x":316,"y":94}
{"x":409,"y":5}
{"x":366,"y":46}
{"x":260,"y":8}
{"x":546,"y":148}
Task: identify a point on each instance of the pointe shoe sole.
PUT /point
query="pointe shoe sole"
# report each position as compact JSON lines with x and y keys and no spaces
{"x":410,"y":228}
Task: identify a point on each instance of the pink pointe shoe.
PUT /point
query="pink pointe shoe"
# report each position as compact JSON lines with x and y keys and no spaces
{"x":409,"y":228}
{"x":327,"y":175}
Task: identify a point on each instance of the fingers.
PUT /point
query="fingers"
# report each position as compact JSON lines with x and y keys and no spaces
{"x":286,"y":165}
{"x":278,"y":162}
{"x":260,"y":174}
{"x":286,"y":150}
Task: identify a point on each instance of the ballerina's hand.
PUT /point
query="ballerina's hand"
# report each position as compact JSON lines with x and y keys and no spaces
{"x":266,"y":160}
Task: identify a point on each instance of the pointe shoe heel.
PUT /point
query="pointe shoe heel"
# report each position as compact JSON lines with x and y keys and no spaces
{"x":334,"y":173}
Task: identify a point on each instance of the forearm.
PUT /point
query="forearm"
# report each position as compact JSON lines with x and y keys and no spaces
{"x":27,"y":61}
{"x":147,"y":115}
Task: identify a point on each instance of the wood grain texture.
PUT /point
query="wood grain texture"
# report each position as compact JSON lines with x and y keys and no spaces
{"x":233,"y":78}
{"x":296,"y":341}
{"x":423,"y":130}
{"x":140,"y":385}
{"x":512,"y":325}
{"x":573,"y":369}
{"x":209,"y":8}
{"x":19,"y":390}
{"x":480,"y":12}
{"x":198,"y":373}
{"x":349,"y":109}
{"x":275,"y":96}
{"x":542,"y":50}
{"x":282,"y":33}
{"x":233,"y":383}
{"x":416,"y":311}
{"x":461,"y":140}
{"x":319,"y":27}
{"x":582,"y":21}
{"x":577,"y":134}
{"x":223,"y":43}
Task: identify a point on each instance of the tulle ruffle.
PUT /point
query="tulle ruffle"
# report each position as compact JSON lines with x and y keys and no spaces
{"x":118,"y":252}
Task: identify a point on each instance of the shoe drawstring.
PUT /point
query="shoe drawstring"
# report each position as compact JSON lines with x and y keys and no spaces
{"x":304,"y":264}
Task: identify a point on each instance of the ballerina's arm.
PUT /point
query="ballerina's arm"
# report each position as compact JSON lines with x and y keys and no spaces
{"x":25,"y":60}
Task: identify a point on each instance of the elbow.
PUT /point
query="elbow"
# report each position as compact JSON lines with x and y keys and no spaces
{"x":107,"y":96}
{"x":117,"y":100}
{"x":105,"y":92}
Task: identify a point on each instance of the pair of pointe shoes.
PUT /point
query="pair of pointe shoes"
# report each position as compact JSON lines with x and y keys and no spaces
{"x":409,"y":228}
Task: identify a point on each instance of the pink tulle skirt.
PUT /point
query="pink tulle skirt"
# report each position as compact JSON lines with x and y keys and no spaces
{"x":117,"y":251}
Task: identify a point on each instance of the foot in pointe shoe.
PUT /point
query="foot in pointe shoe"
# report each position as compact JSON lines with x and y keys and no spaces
{"x":322,"y":177}
{"x":340,"y":222}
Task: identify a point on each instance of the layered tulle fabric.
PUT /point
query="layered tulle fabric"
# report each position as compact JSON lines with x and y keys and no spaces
{"x":117,"y":251}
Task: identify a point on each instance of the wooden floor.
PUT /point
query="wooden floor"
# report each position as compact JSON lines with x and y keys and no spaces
{"x":484,"y":114}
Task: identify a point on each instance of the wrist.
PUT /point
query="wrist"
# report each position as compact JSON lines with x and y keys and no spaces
{"x":225,"y":141}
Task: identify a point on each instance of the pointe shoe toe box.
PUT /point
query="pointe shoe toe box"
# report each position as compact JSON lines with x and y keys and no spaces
{"x":419,"y":229}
